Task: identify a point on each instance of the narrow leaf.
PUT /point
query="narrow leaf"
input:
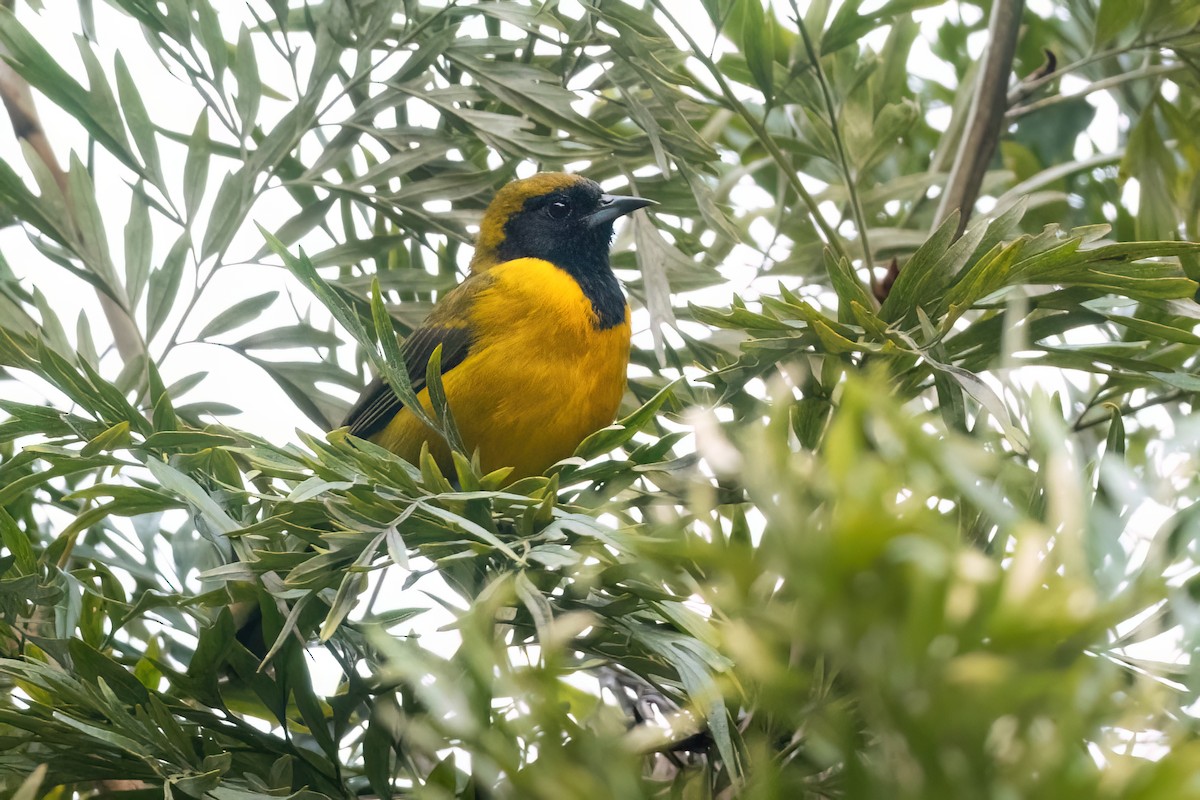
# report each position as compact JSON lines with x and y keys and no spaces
{"x":238,"y":314}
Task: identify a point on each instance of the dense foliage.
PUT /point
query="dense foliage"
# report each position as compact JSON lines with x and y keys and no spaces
{"x":891,"y":512}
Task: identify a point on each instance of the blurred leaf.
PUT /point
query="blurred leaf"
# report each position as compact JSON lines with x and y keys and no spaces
{"x":757,"y":41}
{"x":1114,"y":17}
{"x":848,"y":25}
{"x":29,"y":788}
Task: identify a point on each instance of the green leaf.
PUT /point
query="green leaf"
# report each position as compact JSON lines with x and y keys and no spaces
{"x":1155,"y":330}
{"x":535,"y":92}
{"x":93,"y":240}
{"x":298,"y":382}
{"x":238,"y":314}
{"x":392,"y":363}
{"x":623,"y":430}
{"x":15,"y":488}
{"x":1115,"y":442}
{"x":377,"y":747}
{"x":759,"y":46}
{"x":115,"y":438}
{"x":290,"y":336}
{"x":901,"y":300}
{"x":1181,"y":380}
{"x":846,"y":283}
{"x":229,"y":210}
{"x":141,"y":128}
{"x":52,"y":331}
{"x":457,"y":522}
{"x":17,"y":542}
{"x":306,"y":701}
{"x":195,"y":166}
{"x":209,"y":32}
{"x":164,"y":286}
{"x":46,"y":213}
{"x":249,"y":84}
{"x":537,"y":605}
{"x":43,"y":72}
{"x":175,"y":481}
{"x":352,"y":583}
{"x":990,"y":273}
{"x":438,"y":401}
{"x":1113,"y":18}
{"x":849,"y":26}
{"x":101,"y":103}
{"x":139,"y":248}
{"x":163,"y":417}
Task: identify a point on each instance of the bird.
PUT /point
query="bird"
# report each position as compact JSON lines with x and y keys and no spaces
{"x":535,"y":341}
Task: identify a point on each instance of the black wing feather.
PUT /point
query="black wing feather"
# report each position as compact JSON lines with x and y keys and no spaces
{"x":378,"y":403}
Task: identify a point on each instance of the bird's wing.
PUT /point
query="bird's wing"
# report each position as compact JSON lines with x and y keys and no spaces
{"x":448,"y":325}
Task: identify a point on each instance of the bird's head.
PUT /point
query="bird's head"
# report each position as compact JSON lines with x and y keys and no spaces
{"x":564,"y":219}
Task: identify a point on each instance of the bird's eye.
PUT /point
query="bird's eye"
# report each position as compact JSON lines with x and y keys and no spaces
{"x":559,"y":209}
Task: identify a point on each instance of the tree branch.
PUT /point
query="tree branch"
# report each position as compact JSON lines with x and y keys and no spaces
{"x":27,"y":126}
{"x":986,"y":121}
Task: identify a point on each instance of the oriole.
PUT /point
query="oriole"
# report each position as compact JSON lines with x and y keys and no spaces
{"x":535,"y":342}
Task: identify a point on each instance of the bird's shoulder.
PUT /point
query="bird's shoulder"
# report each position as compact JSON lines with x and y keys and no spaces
{"x":455,"y":308}
{"x":449,"y":324}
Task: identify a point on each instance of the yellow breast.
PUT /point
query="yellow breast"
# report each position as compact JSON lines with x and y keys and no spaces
{"x":538,"y":379}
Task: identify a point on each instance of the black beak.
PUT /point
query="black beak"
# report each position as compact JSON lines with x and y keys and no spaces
{"x":613,"y":206}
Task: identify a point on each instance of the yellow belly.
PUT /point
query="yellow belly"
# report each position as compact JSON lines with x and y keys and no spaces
{"x":539,"y":377}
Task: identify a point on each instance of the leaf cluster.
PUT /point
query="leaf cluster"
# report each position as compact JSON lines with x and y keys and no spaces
{"x":932,"y":534}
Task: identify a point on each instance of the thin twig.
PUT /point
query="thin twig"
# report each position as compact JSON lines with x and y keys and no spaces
{"x":986,"y":116}
{"x":764,"y":137}
{"x":1113,"y":52}
{"x":1096,"y":86}
{"x":851,"y":179}
{"x":1162,"y":399}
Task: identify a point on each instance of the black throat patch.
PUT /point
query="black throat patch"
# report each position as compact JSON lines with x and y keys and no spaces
{"x":572,"y":246}
{"x":604,"y":291}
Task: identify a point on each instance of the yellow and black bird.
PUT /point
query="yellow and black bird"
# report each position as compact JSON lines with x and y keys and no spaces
{"x":535,"y":342}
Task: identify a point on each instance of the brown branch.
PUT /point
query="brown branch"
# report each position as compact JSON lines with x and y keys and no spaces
{"x":18,"y":100}
{"x":27,"y":126}
{"x":882,"y":288}
{"x":986,"y":119}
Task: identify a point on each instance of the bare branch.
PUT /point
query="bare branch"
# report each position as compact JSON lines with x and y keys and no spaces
{"x":18,"y":101}
{"x":986,"y":121}
{"x":1096,"y":86}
